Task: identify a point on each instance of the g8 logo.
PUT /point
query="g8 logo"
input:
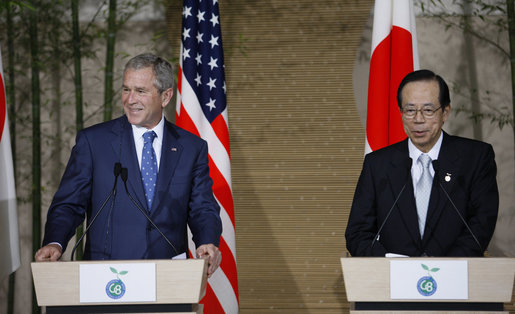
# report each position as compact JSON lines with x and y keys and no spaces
{"x":426,"y":286}
{"x":115,"y":289}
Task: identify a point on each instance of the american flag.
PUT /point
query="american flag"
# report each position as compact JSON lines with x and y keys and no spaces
{"x":394,"y":54}
{"x":202,"y":109}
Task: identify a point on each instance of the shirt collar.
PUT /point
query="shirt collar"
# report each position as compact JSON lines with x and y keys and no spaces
{"x":414,"y":152}
{"x":159,"y":129}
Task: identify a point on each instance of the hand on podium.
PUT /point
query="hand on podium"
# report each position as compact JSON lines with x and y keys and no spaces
{"x":213,"y":256}
{"x":49,"y":253}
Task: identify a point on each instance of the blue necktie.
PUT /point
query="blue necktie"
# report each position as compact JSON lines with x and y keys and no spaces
{"x":149,"y":167}
{"x":424,"y":185}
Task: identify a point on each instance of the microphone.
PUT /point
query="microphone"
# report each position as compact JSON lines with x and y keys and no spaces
{"x":124,"y":175}
{"x":408,"y":167}
{"x":117,"y":170}
{"x":436,"y":167}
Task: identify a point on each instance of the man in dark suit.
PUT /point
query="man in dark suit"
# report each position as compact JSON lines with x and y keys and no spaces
{"x":403,"y":207}
{"x":167,"y":177}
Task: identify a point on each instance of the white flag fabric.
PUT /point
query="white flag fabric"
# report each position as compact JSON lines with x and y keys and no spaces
{"x":9,"y":240}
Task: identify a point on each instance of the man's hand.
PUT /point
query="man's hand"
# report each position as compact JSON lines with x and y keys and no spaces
{"x":48,"y":253}
{"x":213,"y":255}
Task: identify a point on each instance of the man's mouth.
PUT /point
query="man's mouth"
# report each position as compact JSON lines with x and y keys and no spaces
{"x":134,"y":109}
{"x":419,"y":133}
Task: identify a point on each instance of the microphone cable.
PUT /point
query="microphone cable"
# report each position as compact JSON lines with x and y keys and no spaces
{"x":124,"y":175}
{"x":117,"y":170}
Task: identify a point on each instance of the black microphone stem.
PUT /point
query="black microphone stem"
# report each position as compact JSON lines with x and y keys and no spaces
{"x":436,"y":167}
{"x":461,"y":216}
{"x":117,"y":170}
{"x":408,"y":163}
{"x":124,"y":179}
{"x":376,"y":237}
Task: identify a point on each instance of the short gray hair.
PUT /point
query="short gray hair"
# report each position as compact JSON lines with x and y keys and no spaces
{"x":163,"y":70}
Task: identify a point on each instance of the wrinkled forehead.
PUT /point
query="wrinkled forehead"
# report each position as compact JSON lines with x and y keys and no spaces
{"x":140,"y":78}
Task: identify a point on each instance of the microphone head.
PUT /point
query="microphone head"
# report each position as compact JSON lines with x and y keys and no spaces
{"x":125,"y":174}
{"x":117,"y":169}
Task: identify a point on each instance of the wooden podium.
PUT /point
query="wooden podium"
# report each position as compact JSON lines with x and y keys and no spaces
{"x":180,"y":285}
{"x":367,"y":284}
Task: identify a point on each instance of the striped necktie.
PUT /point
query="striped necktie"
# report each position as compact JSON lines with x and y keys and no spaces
{"x":424,"y":185}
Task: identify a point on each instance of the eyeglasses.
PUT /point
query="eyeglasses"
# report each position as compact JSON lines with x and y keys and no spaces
{"x":426,"y":112}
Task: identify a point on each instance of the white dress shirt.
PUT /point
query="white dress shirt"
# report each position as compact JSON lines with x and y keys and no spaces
{"x":138,"y":131}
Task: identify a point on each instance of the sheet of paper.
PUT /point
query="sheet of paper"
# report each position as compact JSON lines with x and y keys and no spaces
{"x":111,"y":282}
{"x":428,"y":279}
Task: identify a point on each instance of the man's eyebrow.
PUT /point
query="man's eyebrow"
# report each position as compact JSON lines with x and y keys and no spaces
{"x":423,"y":105}
{"x":135,"y":87}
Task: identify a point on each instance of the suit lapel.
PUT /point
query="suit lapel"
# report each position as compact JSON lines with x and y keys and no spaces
{"x":170,"y":153}
{"x":449,"y":164}
{"x":399,"y":176}
{"x":124,"y":146}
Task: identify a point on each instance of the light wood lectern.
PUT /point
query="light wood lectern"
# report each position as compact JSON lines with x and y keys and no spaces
{"x":367,"y":284}
{"x":180,"y":285}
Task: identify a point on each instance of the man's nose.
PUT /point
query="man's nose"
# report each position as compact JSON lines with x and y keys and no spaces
{"x":419,"y":117}
{"x":130,"y":97}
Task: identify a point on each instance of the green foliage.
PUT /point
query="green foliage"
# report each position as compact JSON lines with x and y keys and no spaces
{"x":20,"y":4}
{"x":499,"y":114}
{"x":457,"y":14}
{"x":55,"y":59}
{"x":454,"y":14}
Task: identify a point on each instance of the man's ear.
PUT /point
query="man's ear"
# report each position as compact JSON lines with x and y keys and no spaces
{"x":446,"y":113}
{"x":166,"y":96}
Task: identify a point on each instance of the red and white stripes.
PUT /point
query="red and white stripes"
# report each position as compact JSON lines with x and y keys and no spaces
{"x":394,"y":54}
{"x":222,"y":292}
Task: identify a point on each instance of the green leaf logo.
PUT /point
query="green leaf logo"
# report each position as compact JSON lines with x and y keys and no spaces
{"x":123,"y":272}
{"x":429,"y":271}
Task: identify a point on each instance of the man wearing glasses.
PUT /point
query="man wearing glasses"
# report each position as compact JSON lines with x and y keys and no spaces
{"x":432,"y":194}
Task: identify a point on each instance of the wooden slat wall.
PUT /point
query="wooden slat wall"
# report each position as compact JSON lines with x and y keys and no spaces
{"x":297,"y":146}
